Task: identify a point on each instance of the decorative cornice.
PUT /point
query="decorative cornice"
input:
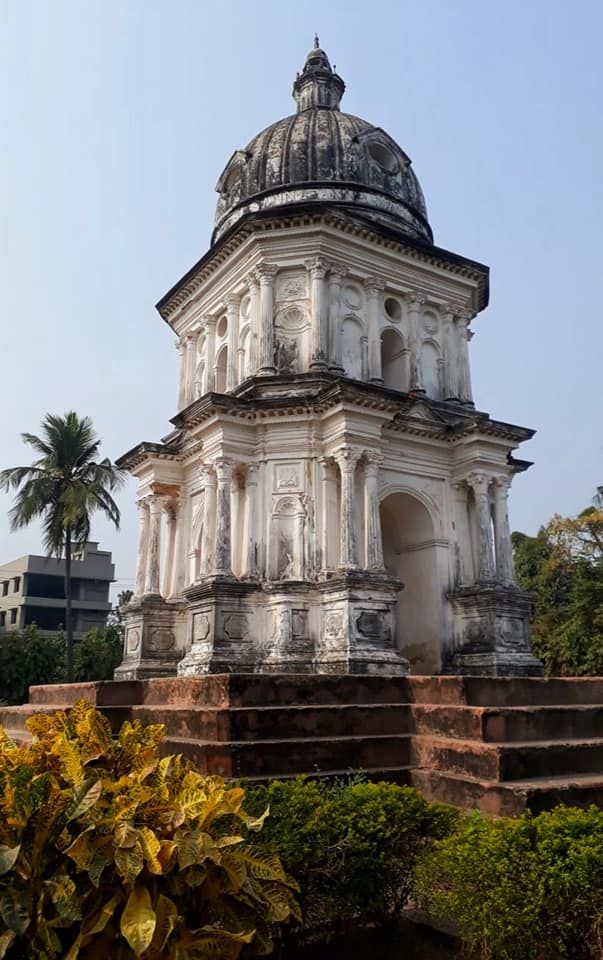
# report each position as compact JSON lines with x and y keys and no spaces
{"x":266,"y":222}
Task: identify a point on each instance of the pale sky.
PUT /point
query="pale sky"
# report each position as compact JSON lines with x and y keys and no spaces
{"x":117,"y":117}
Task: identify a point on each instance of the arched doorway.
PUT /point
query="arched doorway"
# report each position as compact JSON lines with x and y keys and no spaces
{"x":393,"y":361}
{"x":409,"y":553}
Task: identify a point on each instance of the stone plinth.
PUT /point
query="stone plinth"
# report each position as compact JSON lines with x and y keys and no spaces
{"x":150,"y":645}
{"x":492,"y":633}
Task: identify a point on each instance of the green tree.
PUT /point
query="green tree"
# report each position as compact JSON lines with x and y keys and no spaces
{"x":562,"y":568}
{"x":64,"y":486}
{"x":115,"y":620}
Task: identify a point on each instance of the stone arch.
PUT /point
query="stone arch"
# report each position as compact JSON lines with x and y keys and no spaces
{"x":409,"y":553}
{"x":221,"y":369}
{"x":430,"y":365}
{"x":287,"y":539}
{"x":352,"y":333}
{"x":394,"y":360}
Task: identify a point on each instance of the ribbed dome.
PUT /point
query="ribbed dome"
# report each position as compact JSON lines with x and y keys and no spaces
{"x":323,"y":156}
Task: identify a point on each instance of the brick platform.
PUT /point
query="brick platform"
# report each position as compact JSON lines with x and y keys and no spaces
{"x":503,"y":745}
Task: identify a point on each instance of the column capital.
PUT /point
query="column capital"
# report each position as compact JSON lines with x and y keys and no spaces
{"x":156,"y":502}
{"x":373,"y":458}
{"x":180,"y":345}
{"x":206,"y":474}
{"x":415,"y":298}
{"x":223,"y":468}
{"x":337,"y":271}
{"x":479,"y":483}
{"x":347,"y":458}
{"x":266,"y":272}
{"x":502,"y":484}
{"x":232,"y":302}
{"x":252,"y":280}
{"x":373,"y":285}
{"x":447,"y":311}
{"x":170,"y":508}
{"x":317,"y":267}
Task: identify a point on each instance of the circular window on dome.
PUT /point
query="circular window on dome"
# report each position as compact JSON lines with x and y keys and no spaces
{"x":393,"y":309}
{"x":222,"y":326}
{"x":383,"y":156}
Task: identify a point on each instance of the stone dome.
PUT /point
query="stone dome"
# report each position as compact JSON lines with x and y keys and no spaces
{"x":320,"y":155}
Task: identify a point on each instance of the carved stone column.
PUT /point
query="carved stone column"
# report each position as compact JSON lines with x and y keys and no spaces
{"x":317,"y":269}
{"x":208,"y":479}
{"x":198,"y":382}
{"x":464,"y":335}
{"x":235,"y":523}
{"x":181,"y":348}
{"x":251,"y":486}
{"x":326,"y":478}
{"x":143,"y":546}
{"x":505,"y":569}
{"x":233,"y":303}
{"x":253,"y":289}
{"x":347,"y":459}
{"x":450,"y":378}
{"x":480,"y":484}
{"x":191,"y":347}
{"x":373,"y":547}
{"x":373,"y":288}
{"x":154,"y":553}
{"x":266,"y":273}
{"x":170,"y":513}
{"x":210,"y":353}
{"x":464,"y":567}
{"x":415,"y":310}
{"x":336,"y":275}
{"x":222,"y":551}
{"x":177,"y":578}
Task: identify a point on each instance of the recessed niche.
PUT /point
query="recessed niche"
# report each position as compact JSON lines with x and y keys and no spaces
{"x":383,"y":156}
{"x":222,"y":326}
{"x":393,"y":309}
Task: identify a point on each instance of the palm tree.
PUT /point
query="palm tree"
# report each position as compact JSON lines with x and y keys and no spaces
{"x":63,"y":487}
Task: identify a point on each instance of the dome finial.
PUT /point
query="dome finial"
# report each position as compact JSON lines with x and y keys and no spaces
{"x":316,"y":42}
{"x":317,"y":85}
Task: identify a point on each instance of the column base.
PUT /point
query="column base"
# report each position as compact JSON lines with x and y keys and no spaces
{"x":221,"y":627}
{"x":153,"y":638}
{"x":491,"y":633}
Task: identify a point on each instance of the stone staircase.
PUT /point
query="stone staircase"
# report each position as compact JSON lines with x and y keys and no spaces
{"x":502,"y":745}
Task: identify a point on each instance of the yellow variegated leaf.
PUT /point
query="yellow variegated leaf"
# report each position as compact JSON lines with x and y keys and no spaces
{"x":8,"y":857}
{"x":63,"y":894}
{"x":138,"y":920}
{"x":6,"y":940}
{"x":125,"y":835}
{"x":229,"y":841}
{"x":263,"y":865}
{"x":166,"y":914}
{"x":84,"y":797}
{"x":254,"y":823}
{"x":129,"y":862}
{"x":98,"y":921}
{"x":150,"y":849}
{"x":81,"y":850}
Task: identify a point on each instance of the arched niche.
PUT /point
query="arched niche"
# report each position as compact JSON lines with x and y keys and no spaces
{"x":287,"y":540}
{"x":409,"y":553}
{"x":352,"y":332}
{"x":394,"y":361}
{"x":221,"y":368}
{"x":430,"y":365}
{"x":200,"y":379}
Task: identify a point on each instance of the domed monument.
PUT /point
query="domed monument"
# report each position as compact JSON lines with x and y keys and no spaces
{"x":329,"y":499}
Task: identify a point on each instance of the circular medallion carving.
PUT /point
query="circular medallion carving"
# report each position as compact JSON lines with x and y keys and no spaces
{"x":352,"y":296}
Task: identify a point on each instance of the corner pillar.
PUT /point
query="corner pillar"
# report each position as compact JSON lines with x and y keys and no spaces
{"x":373,"y":547}
{"x":266,"y":273}
{"x":373,"y":288}
{"x":317,"y":269}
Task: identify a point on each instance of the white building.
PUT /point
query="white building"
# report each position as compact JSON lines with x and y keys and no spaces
{"x":329,"y":499}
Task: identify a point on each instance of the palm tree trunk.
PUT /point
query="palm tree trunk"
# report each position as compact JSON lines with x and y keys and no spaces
{"x":68,"y":617}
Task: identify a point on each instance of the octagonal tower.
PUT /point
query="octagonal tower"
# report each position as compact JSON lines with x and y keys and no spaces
{"x":329,"y":499}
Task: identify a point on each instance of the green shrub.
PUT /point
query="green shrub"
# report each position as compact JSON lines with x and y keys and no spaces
{"x":106,"y":850}
{"x":351,"y":847}
{"x":525,"y":889}
{"x":97,"y":654}
{"x":27,"y":658}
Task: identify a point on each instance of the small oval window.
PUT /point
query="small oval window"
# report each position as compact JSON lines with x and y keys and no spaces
{"x":222,"y":326}
{"x":383,"y":156}
{"x":393,"y":308}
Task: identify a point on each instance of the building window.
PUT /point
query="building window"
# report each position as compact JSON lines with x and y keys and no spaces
{"x":13,"y":615}
{"x":17,"y":584}
{"x":2,"y":618}
{"x":4,"y":587}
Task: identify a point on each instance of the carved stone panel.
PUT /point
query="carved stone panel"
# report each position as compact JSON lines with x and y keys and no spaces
{"x":291,"y":286}
{"x":374,"y":625}
{"x":160,"y":640}
{"x":201,"y":627}
{"x":132,"y":640}
{"x":288,"y":476}
{"x":235,"y":626}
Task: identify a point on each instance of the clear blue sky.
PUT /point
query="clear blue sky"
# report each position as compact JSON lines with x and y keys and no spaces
{"x":117,"y":116}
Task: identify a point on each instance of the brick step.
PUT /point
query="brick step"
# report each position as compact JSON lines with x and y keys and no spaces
{"x":533,"y":691}
{"x":509,"y":799}
{"x":492,"y":724}
{"x":14,"y":718}
{"x":267,"y":758}
{"x":260,"y":723}
{"x":507,"y":761}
